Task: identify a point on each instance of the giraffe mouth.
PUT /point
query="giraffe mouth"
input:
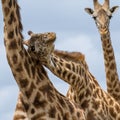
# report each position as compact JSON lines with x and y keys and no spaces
{"x":103,"y":31}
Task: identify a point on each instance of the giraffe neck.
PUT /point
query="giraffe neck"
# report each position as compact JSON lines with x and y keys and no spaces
{"x":112,"y":79}
{"x":76,"y":74}
{"x":29,"y":79}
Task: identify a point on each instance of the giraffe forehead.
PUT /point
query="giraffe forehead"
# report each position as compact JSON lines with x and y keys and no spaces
{"x":102,"y":12}
{"x":102,"y":17}
{"x":43,"y":37}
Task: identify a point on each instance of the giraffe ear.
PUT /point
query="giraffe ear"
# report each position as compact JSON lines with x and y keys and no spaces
{"x":26,"y":42}
{"x":114,"y":9}
{"x":89,"y":11}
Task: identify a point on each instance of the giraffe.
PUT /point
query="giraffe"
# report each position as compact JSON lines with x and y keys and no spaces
{"x":40,"y":100}
{"x":96,"y":103}
{"x":102,"y":15}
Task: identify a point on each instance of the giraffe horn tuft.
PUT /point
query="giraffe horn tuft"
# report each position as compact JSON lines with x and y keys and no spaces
{"x":106,"y":4}
{"x":30,"y":33}
{"x":96,"y":4}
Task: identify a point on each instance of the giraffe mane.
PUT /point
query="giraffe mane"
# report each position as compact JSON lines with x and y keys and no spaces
{"x":73,"y":56}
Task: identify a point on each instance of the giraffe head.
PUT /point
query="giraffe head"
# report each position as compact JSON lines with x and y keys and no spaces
{"x":41,"y":45}
{"x":101,"y":14}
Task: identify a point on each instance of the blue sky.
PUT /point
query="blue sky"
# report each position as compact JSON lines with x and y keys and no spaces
{"x":76,"y":31}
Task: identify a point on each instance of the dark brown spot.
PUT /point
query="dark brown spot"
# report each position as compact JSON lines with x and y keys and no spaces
{"x":19,"y":17}
{"x":26,"y":106}
{"x":73,"y":77}
{"x":39,"y":116}
{"x":27,"y":67}
{"x":21,"y":53}
{"x":78,"y":114}
{"x":88,"y":92}
{"x":20,"y":68}
{"x":58,"y":72}
{"x":55,"y":60}
{"x":43,"y":71}
{"x":81,"y":71}
{"x":85,"y":104}
{"x":23,"y":83}
{"x":59,"y":108}
{"x":48,"y":90}
{"x":38,"y":103}
{"x":16,"y":30}
{"x":71,"y":108}
{"x":117,"y":108}
{"x":117,"y":90}
{"x":37,"y":79}
{"x":81,"y":96}
{"x":96,"y":104}
{"x":73,"y":67}
{"x":64,"y":73}
{"x":32,"y":111}
{"x":11,"y":35}
{"x":29,"y":61}
{"x":33,"y":71}
{"x":91,"y":116}
{"x":111,"y":102}
{"x":52,"y":112}
{"x":58,"y":117}
{"x":112,"y":66}
{"x":112,"y":112}
{"x":12,"y":18}
{"x":66,"y":116}
{"x":3,"y":1}
{"x":7,"y":10}
{"x":111,"y":58}
{"x":14,"y":59}
{"x":30,"y":90}
{"x":68,"y":66}
{"x":61,"y":101}
{"x":77,"y":69}
{"x":74,"y":97}
{"x":13,"y":45}
{"x":10,"y":3}
{"x":14,"y":3}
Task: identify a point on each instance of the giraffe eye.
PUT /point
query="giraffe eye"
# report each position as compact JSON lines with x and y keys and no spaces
{"x":110,"y":16}
{"x":32,"y":48}
{"x":94,"y":17}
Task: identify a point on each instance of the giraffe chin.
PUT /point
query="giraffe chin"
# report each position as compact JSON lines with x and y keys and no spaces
{"x":103,"y":31}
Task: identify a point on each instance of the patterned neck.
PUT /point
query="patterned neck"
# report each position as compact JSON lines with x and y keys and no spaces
{"x":112,"y":78}
{"x":76,"y":74}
